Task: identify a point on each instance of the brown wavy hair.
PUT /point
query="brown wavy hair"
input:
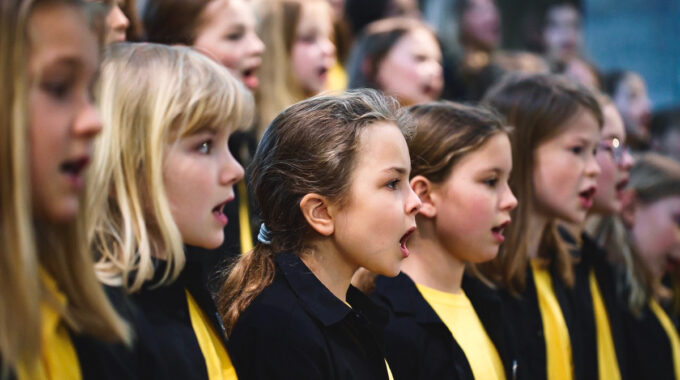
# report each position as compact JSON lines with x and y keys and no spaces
{"x":537,"y":107}
{"x":311,"y":147}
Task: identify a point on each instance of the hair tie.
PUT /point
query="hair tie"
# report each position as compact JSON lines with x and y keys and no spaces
{"x":264,"y":236}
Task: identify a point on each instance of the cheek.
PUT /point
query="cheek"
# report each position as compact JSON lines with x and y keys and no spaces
{"x":606,"y":180}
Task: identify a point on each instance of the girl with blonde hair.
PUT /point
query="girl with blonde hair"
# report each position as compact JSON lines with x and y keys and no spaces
{"x":651,"y":214}
{"x":52,"y":310}
{"x":162,"y":174}
{"x":300,"y":53}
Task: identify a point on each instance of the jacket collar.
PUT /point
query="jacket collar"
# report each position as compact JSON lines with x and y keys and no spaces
{"x":318,"y":300}
{"x":405,"y":299}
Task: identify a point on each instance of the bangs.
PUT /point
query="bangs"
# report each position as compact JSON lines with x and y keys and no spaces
{"x":212,"y":99}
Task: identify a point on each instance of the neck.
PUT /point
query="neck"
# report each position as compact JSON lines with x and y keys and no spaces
{"x":330,"y":267}
{"x":430,"y":264}
{"x":535,"y":229}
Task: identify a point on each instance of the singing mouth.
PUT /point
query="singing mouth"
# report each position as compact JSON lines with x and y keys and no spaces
{"x":74,"y":167}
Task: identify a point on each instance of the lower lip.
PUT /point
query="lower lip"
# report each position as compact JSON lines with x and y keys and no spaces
{"x":221,"y":217}
{"x":75,"y":181}
{"x":404,"y":250}
{"x":586,"y":202}
{"x":498,"y":236}
{"x":251,"y":81}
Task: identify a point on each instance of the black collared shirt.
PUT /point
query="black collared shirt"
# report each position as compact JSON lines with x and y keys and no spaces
{"x":420,"y":345}
{"x":166,"y":313}
{"x":297,"y":329}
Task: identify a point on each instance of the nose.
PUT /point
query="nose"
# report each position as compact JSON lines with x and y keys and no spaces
{"x":231,"y":171}
{"x":413,"y":203}
{"x":256,"y":45}
{"x":88,"y":122}
{"x":508,"y":199}
{"x":592,"y":168}
{"x":627,"y":161}
{"x":117,"y":19}
{"x":327,"y":47}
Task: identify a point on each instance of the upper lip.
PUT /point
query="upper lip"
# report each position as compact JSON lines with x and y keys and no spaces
{"x":405,"y":236}
{"x":589,"y":191}
{"x":75,"y":165}
{"x":220,"y":206}
{"x":501,"y":226}
{"x":252,"y":67}
{"x":622,"y":184}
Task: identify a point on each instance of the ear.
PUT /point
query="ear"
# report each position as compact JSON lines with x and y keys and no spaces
{"x":314,"y":208}
{"x":423,"y":189}
{"x":628,"y":207}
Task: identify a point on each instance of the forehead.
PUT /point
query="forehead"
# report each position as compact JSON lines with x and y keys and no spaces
{"x":382,"y":144}
{"x":221,"y":12}
{"x":60,"y":32}
{"x":494,"y":153}
{"x":613,"y":124}
{"x":563,"y":13}
{"x":315,"y":15}
{"x":583,"y":124}
{"x":418,"y":40}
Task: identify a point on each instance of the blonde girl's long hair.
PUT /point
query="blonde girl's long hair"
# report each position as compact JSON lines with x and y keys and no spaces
{"x":537,"y":107}
{"x":26,"y":245}
{"x":277,"y":27}
{"x":150,"y":96}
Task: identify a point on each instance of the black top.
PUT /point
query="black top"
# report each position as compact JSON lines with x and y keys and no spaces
{"x":593,"y":257}
{"x":420,"y":346}
{"x":297,"y":329}
{"x":522,"y":317}
{"x":166,"y":312}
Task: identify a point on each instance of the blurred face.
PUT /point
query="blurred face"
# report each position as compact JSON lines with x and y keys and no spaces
{"x":228,"y":36}
{"x":565,"y":170}
{"x":372,"y":228}
{"x":656,"y":231}
{"x":412,"y":70}
{"x":615,"y":162}
{"x":632,"y":101}
{"x":63,"y":63}
{"x":313,"y":52}
{"x":116,"y":23}
{"x":481,"y":25}
{"x":473,"y":205}
{"x":562,"y":33}
{"x":579,"y":71}
{"x":199,"y":173}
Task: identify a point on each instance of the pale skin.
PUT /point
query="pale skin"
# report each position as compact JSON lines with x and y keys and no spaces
{"x":457,"y":217}
{"x":366,"y":230}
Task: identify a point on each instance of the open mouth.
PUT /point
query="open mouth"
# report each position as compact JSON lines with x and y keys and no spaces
{"x":497,"y":231}
{"x":402,"y":242}
{"x":249,"y":76}
{"x":587,"y":196}
{"x":323,"y":71}
{"x":74,"y":167}
{"x":622,"y":184}
{"x":218,"y":213}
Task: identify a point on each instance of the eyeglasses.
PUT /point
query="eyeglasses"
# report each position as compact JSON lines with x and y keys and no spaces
{"x":615,"y":148}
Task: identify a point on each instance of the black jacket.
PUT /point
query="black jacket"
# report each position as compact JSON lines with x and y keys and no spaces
{"x":522,"y":317}
{"x":593,"y":257}
{"x":297,"y":329}
{"x":420,"y":346}
{"x":166,"y":315}
{"x":648,"y":346}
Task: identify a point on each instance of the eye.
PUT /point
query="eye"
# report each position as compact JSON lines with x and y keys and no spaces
{"x":491,"y":182}
{"x":58,"y":90}
{"x":205,"y":147}
{"x":393,"y":184}
{"x":234,"y":36}
{"x":576,"y":150}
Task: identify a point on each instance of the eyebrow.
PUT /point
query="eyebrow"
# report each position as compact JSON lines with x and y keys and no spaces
{"x":397,"y":169}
